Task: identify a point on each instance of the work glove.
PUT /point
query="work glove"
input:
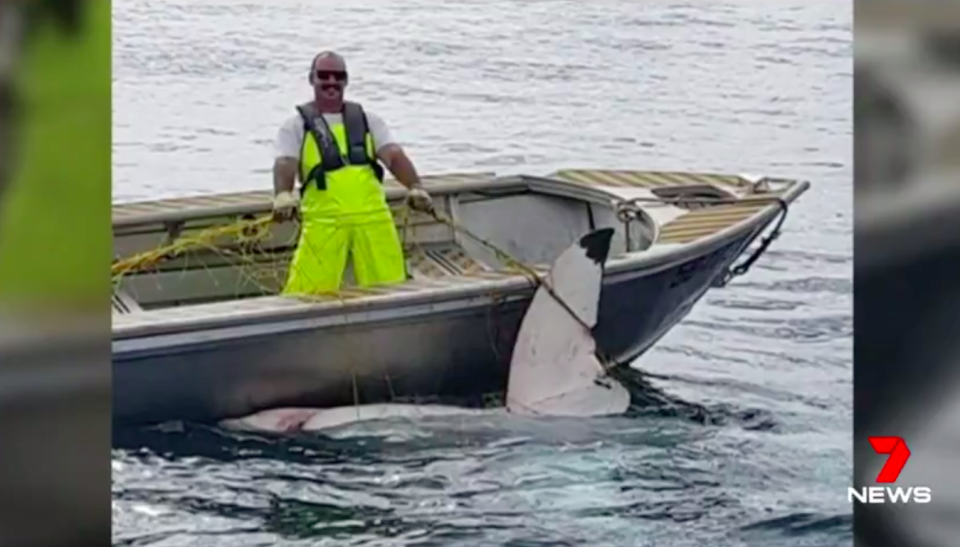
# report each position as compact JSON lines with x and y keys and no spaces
{"x":285,"y":206}
{"x":419,"y":200}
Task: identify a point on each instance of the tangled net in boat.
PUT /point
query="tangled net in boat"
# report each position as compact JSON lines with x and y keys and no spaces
{"x":238,"y":248}
{"x":244,"y":245}
{"x":256,"y":249}
{"x":205,"y":239}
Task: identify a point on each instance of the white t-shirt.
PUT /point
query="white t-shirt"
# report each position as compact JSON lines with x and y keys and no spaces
{"x":290,"y":137}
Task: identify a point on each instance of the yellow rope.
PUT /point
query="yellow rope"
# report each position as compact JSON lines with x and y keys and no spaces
{"x":203,"y":239}
{"x":246,"y":232}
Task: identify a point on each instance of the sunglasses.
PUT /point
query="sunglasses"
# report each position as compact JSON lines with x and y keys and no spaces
{"x":323,"y":75}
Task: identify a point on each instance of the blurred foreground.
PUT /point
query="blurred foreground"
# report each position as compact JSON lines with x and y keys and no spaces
{"x":54,"y":253}
{"x":907,"y":267}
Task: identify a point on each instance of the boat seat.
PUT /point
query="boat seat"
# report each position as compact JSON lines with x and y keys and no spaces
{"x":199,"y":282}
{"x":648,"y":179}
{"x":705,"y":222}
{"x":123,"y":303}
{"x":442,"y":260}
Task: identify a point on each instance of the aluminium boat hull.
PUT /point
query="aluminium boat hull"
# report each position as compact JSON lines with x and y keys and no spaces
{"x":434,"y":346}
{"x":461,"y":349}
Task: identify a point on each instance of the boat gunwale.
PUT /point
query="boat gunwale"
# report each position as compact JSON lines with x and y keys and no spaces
{"x":645,"y":262}
{"x":393,"y":193}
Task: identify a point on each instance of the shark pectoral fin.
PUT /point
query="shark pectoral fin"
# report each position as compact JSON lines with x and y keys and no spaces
{"x":554,"y":368}
{"x":588,"y":394}
{"x":595,"y":400}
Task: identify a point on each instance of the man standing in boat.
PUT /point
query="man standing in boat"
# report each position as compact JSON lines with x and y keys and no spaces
{"x":335,"y":148}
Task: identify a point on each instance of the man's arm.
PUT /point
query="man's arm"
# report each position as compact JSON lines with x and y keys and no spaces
{"x":285,"y":167}
{"x":284,"y":174}
{"x":399,"y":165}
{"x":286,"y":152}
{"x":391,"y":154}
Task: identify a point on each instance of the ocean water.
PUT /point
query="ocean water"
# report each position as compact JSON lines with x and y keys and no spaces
{"x":200,"y":87}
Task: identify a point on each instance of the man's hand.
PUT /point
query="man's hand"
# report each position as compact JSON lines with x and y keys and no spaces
{"x":419,"y":200}
{"x":400,"y":166}
{"x":285,"y":206}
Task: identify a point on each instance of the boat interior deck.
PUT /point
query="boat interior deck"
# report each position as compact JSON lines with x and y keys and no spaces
{"x":531,"y":218}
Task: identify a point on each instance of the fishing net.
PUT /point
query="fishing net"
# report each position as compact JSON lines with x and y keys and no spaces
{"x":252,"y":255}
{"x":238,"y":245}
{"x":257,"y":250}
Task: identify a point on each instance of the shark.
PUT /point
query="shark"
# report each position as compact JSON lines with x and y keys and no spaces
{"x":554,"y":368}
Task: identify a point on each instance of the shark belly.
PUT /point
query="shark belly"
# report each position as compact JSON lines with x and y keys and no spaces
{"x":339,"y":416}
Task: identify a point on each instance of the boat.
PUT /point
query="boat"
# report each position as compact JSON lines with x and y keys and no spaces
{"x":205,"y":335}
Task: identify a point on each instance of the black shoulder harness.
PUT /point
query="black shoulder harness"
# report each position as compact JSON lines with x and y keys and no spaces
{"x":356,"y":129}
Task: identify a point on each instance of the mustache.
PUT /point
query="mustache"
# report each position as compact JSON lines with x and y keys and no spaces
{"x":331,"y":85}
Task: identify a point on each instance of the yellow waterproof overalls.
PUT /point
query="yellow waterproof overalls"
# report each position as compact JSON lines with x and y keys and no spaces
{"x":343,"y":208}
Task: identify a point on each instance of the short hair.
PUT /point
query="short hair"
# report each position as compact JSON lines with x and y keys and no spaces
{"x":327,"y":54}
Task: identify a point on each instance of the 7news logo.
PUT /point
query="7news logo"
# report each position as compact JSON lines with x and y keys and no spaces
{"x":897,"y":449}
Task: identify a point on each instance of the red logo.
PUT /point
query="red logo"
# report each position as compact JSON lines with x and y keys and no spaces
{"x":899,"y":454}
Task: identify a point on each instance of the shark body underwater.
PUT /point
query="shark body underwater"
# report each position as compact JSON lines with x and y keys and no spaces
{"x":554,"y":369}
